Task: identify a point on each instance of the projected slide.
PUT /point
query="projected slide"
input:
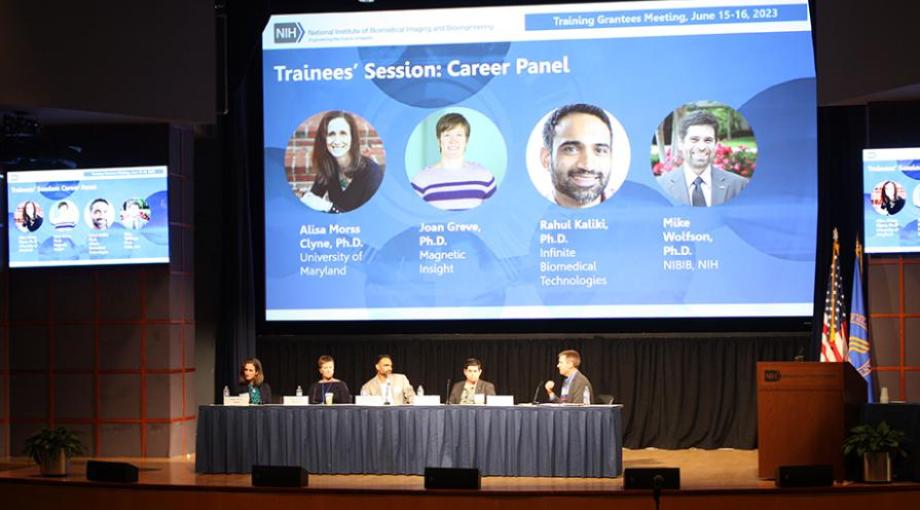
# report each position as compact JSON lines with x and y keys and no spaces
{"x":891,"y":198}
{"x":610,"y":160}
{"x":92,"y":216}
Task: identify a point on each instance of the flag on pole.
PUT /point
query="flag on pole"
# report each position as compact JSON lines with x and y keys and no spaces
{"x":860,"y":353}
{"x":834,"y":330}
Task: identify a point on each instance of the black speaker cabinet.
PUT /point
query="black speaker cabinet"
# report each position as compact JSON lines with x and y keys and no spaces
{"x":452,"y":478}
{"x":279,"y":476}
{"x":120,"y":472}
{"x":647,"y":478}
{"x":821,"y":475}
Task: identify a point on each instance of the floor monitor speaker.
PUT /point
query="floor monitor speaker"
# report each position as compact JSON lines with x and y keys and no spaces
{"x":821,"y":475}
{"x":651,"y":478}
{"x":452,"y":478}
{"x":279,"y":476}
{"x":119,"y":472}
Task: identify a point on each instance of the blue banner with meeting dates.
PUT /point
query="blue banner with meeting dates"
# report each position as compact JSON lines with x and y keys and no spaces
{"x":550,"y":174}
{"x":666,"y":17}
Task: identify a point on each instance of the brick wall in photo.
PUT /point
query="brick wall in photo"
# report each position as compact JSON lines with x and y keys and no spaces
{"x":297,"y":155}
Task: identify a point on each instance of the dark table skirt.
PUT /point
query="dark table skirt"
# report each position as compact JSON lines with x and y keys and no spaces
{"x":500,"y":441}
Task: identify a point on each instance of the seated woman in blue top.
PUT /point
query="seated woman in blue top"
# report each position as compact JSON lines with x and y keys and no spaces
{"x":328,"y":389}
{"x":252,"y":381}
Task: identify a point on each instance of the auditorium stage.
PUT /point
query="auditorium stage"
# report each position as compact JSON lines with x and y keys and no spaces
{"x":714,"y":479}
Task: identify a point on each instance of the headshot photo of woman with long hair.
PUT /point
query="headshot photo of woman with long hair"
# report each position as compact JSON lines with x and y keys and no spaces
{"x":891,"y":199}
{"x":344,"y":177}
{"x":31,"y":218}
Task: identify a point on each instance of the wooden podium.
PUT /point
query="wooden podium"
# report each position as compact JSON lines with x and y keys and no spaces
{"x":804,"y":410}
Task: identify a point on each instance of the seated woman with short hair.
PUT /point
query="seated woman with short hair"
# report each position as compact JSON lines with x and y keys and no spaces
{"x":328,"y":387}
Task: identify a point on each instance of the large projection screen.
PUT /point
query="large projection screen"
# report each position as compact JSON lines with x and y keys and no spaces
{"x":579,"y":161}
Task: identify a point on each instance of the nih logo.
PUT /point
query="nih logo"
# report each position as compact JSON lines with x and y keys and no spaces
{"x":288,"y":33}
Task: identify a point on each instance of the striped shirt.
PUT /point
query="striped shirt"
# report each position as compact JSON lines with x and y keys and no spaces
{"x":456,"y":189}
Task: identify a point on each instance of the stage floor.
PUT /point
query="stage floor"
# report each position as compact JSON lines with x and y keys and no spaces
{"x":699,"y":470}
{"x":710,"y":479}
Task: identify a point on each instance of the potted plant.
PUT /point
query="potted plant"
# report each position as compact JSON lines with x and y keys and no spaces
{"x":52,"y":449}
{"x":874,"y":444}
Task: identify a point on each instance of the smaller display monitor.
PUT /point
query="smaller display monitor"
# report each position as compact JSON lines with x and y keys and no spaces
{"x":891,"y":200}
{"x":90,"y":216}
{"x":3,"y":218}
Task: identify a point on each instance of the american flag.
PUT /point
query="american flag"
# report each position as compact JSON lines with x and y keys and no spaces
{"x":834,"y":331}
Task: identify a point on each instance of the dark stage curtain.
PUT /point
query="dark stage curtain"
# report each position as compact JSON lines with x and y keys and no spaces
{"x":232,"y":188}
{"x":678,"y":392}
{"x":841,"y":139}
{"x":236,"y":330}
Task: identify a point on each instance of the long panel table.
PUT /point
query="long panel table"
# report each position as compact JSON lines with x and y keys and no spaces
{"x":569,"y":441}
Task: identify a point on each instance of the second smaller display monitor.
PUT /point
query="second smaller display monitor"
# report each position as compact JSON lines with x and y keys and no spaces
{"x":891,"y":200}
{"x":94,"y":216}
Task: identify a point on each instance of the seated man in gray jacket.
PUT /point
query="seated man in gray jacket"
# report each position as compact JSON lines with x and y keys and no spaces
{"x":576,"y":389}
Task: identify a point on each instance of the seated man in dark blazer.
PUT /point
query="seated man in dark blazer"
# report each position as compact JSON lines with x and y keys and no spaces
{"x":576,"y":389}
{"x":464,"y":392}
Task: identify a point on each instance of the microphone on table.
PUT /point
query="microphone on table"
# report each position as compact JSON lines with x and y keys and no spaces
{"x":447,"y":398}
{"x":536,"y":393}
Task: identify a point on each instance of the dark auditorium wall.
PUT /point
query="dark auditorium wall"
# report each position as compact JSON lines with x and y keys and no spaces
{"x":135,"y":59}
{"x":891,"y":281}
{"x":894,"y":320}
{"x":865,"y":50}
{"x":109,"y":351}
{"x":894,"y":280}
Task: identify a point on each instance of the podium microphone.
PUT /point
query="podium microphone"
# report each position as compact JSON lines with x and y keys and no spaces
{"x":447,"y":393}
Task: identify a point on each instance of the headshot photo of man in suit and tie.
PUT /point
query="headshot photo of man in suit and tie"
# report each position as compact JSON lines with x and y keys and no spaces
{"x":578,"y":156}
{"x":703,"y":154}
